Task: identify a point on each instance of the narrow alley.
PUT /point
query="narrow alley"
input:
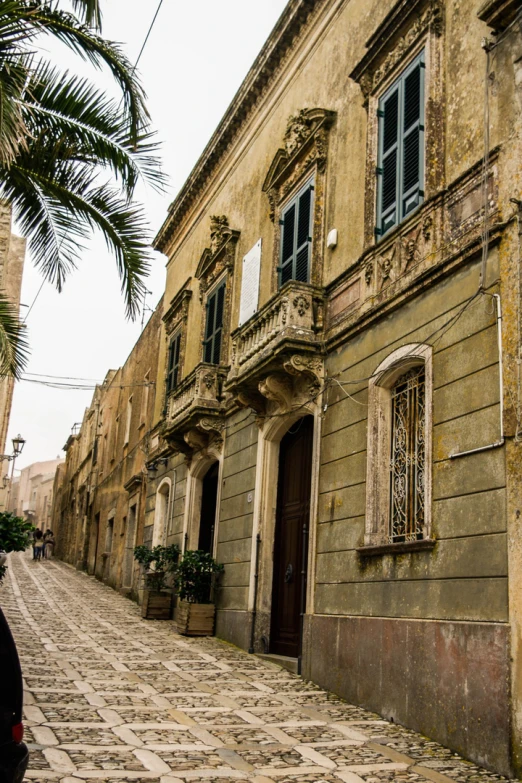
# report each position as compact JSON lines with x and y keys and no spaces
{"x":112,"y":697}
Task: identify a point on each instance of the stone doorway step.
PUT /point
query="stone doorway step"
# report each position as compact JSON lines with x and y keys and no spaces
{"x":281,"y":660}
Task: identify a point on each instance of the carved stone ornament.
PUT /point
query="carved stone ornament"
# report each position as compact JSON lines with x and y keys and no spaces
{"x":427,"y":224}
{"x":297,"y":131}
{"x":278,"y":388}
{"x":207,"y":431}
{"x":220,"y":254}
{"x":178,"y":310}
{"x":368,"y":273}
{"x":301,"y":304}
{"x":389,"y":45}
{"x":219,"y":231}
{"x":305,"y":147}
{"x":308,"y":365}
{"x":209,"y":380}
{"x":386,"y":268}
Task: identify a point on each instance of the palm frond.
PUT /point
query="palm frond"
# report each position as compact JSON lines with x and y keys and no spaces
{"x":91,"y":47}
{"x":14,"y":350}
{"x":58,"y":209}
{"x":91,"y":125}
{"x":89,"y":11}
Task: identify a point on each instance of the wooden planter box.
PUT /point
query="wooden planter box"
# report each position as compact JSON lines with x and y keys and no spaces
{"x":156,"y":605}
{"x":195,"y":619}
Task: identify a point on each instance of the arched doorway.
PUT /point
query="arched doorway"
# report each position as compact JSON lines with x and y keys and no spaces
{"x":291,"y":538}
{"x":207,"y":519}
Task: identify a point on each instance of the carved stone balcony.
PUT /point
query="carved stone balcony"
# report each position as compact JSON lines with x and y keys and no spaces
{"x":194,"y":408}
{"x":282,"y":339}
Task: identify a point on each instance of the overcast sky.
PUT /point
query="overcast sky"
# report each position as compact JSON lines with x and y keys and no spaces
{"x":196,"y":58}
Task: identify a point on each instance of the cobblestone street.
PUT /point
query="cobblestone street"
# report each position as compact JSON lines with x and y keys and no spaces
{"x":112,"y":697}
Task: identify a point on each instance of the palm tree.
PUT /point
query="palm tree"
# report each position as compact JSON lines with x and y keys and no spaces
{"x":70,"y":157}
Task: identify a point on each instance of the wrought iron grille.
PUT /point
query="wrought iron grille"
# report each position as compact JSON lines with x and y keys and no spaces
{"x":407,"y":462}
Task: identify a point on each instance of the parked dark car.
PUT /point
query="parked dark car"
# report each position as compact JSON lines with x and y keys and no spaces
{"x":14,"y":755}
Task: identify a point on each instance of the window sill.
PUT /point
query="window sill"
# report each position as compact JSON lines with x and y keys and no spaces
{"x":401,"y":548}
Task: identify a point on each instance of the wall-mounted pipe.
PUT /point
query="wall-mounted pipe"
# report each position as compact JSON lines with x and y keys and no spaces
{"x":500,"y":441}
{"x":254,"y":610}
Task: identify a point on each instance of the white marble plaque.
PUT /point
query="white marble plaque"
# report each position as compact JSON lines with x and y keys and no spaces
{"x":250,"y":284}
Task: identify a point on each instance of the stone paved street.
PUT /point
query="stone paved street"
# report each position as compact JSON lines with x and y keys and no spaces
{"x":113,"y":698}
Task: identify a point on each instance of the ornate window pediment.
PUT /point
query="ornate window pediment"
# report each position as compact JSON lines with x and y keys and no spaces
{"x":302,"y":158}
{"x":220,"y":256}
{"x":177,"y":313}
{"x":215,"y":265}
{"x":412,"y":32}
{"x":390,"y":45}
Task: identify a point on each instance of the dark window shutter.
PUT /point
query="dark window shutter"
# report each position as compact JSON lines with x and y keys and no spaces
{"x":411,"y":152}
{"x":218,"y":332}
{"x":389,"y":161}
{"x":173,"y":362}
{"x":303,"y":237}
{"x":214,"y":326}
{"x":401,"y":131}
{"x":296,"y":238}
{"x":287,"y":244}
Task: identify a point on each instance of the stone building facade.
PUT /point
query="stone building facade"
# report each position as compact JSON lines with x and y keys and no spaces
{"x":337,"y":413}
{"x":99,"y":504}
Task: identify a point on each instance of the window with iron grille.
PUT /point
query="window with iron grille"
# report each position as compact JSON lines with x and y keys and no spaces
{"x":214,"y":325}
{"x":173,"y":362}
{"x":408,"y":457}
{"x":400,"y":168}
{"x":296,"y":237}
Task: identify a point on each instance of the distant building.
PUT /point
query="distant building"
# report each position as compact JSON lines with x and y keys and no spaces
{"x":32,"y":498}
{"x":100,"y":492}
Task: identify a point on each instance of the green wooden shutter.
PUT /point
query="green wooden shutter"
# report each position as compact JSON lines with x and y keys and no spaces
{"x":296,"y":237}
{"x":400,"y":168}
{"x":287,"y":244}
{"x":214,"y":325}
{"x":173,"y":362}
{"x":218,"y":329}
{"x":412,"y":141}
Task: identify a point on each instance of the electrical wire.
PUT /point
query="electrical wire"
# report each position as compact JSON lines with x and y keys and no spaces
{"x":148,"y":34}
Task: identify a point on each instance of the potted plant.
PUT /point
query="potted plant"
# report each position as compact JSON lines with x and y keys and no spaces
{"x":194,"y":581}
{"x":157,"y":564}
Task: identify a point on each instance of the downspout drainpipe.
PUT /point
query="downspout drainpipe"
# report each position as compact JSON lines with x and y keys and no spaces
{"x":254,"y":610}
{"x":500,"y":441}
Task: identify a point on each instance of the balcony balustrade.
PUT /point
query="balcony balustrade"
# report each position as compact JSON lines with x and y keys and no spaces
{"x":194,"y":406}
{"x":289,"y":323}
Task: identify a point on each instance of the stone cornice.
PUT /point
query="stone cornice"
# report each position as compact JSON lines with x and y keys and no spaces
{"x":388,"y":44}
{"x":499,"y":14}
{"x":269,"y":61}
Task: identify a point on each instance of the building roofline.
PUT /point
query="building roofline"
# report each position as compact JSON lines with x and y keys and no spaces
{"x":260,"y":76}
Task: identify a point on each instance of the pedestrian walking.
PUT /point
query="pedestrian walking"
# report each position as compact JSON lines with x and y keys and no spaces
{"x":48,"y":544}
{"x":34,"y":543}
{"x":38,"y":544}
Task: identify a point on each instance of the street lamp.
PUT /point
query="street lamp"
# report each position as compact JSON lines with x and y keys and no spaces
{"x":18,"y":445}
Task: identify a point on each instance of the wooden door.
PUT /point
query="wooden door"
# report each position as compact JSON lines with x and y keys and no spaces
{"x":291,"y":538}
{"x":208,"y":509}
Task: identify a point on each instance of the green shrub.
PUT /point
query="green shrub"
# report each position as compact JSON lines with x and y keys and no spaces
{"x":195,"y":576}
{"x":16,"y":535}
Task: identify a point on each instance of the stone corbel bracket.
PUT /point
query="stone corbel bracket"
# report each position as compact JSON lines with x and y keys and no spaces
{"x":297,"y":383}
{"x":206,"y":432}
